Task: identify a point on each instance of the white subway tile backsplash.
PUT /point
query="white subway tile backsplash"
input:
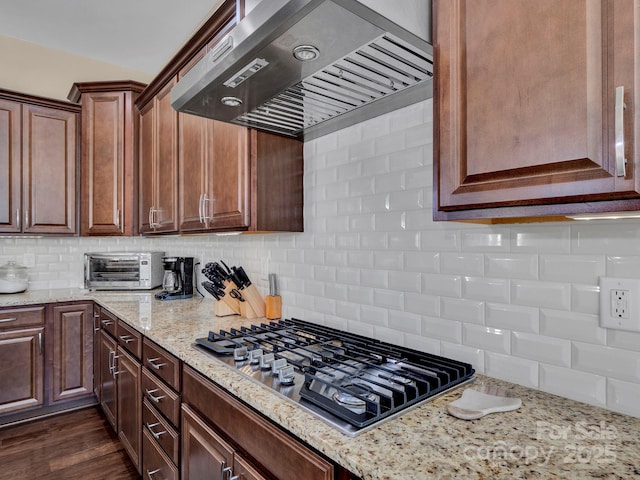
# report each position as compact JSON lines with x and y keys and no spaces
{"x":423,"y":304}
{"x":388,"y":299}
{"x":448,"y":330}
{"x":391,"y":182}
{"x":343,"y":206}
{"x":389,"y":222}
{"x":427,"y":262}
{"x":583,"y":387}
{"x":542,"y":349}
{"x":463,"y":353}
{"x":348,"y":310}
{"x":447,"y":285}
{"x":410,"y":158}
{"x":541,"y":239}
{"x":623,"y":397}
{"x":511,"y":265}
{"x":361,"y":223}
{"x":406,"y":200}
{"x":405,"y":281}
{"x":406,"y":241}
{"x":513,"y":369}
{"x":485,"y":240}
{"x":422,"y":344}
{"x":606,"y":361}
{"x":388,"y":260}
{"x":625,"y":267}
{"x":469,"y":311}
{"x":597,"y":237}
{"x":375,"y":166}
{"x":623,"y":339}
{"x":440,"y":240}
{"x":571,"y":268}
{"x":462,"y":263}
{"x":374,"y":315}
{"x":390,"y":335}
{"x":490,"y":289}
{"x":360,"y":259}
{"x":375,"y":279}
{"x":486,"y":338}
{"x":405,"y":322}
{"x":585,"y":299}
{"x":572,"y":326}
{"x":512,"y":317}
{"x":541,"y":294}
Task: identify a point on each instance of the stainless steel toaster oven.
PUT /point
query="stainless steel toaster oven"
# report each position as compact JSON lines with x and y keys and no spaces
{"x":123,"y":271}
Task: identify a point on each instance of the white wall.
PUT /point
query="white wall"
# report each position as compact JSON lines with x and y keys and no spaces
{"x":519,"y":302}
{"x":47,"y":72}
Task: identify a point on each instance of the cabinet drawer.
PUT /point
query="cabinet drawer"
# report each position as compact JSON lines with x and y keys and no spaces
{"x":108,"y":321}
{"x":165,"y":400}
{"x":155,"y":464}
{"x":161,"y":363}
{"x":20,"y":317}
{"x":164,"y":434}
{"x":270,"y":446}
{"x":130,"y":339}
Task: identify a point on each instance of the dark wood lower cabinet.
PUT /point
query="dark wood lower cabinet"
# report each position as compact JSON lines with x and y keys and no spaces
{"x":108,"y":348}
{"x":21,"y":369}
{"x":271,"y":449}
{"x":129,"y":404}
{"x":156,"y":463}
{"x":72,"y":333}
{"x":203,"y":450}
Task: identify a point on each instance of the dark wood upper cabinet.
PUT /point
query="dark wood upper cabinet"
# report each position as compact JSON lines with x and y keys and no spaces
{"x":158,"y":183}
{"x":525,"y":108}
{"x":38,"y":162}
{"x":109,"y":156}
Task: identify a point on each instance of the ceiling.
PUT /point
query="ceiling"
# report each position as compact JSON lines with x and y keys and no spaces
{"x":140,"y":35}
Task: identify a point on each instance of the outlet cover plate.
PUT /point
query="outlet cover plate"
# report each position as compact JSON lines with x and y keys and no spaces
{"x":620,"y":303}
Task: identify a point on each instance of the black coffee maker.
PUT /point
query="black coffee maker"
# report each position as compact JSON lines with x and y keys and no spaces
{"x":178,"y":278}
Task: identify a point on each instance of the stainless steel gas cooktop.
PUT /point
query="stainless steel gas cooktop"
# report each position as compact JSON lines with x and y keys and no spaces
{"x":351,"y":382}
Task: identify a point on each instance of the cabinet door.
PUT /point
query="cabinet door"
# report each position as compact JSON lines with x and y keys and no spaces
{"x":204,"y":453}
{"x":107,"y":378}
{"x":97,"y":388}
{"x":166,"y":160}
{"x":49,"y":157}
{"x":103,"y":166}
{"x":10,"y":178}
{"x":525,"y":115}
{"x":72,"y":374}
{"x":21,"y":369}
{"x":229,"y":177}
{"x":146,"y":155}
{"x":195,"y":135}
{"x":129,"y":401}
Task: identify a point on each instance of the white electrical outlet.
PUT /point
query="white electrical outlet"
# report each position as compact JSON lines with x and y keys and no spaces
{"x":620,"y":303}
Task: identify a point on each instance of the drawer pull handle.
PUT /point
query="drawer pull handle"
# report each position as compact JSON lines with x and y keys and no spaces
{"x":127,"y":338}
{"x":107,"y":322}
{"x":156,"y":435}
{"x":156,"y":366}
{"x":12,"y":319}
{"x":621,"y":162}
{"x":152,"y":397}
{"x":151,"y":473}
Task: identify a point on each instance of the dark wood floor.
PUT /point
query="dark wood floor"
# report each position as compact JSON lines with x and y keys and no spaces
{"x":70,"y":446}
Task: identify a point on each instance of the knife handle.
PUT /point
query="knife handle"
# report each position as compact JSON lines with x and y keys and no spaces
{"x":273,"y":307}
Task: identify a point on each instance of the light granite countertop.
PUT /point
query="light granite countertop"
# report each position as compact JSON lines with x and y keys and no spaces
{"x":548,"y":437}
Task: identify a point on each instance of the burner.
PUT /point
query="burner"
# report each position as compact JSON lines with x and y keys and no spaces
{"x":355,"y":397}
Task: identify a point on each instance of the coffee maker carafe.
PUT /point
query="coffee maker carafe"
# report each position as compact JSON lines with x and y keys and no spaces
{"x":178,"y":278}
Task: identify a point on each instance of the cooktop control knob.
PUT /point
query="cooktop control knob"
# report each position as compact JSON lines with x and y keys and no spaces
{"x":266,"y":361}
{"x":240,"y":354}
{"x":277,"y":365}
{"x":254,"y":355}
{"x":285,"y":375}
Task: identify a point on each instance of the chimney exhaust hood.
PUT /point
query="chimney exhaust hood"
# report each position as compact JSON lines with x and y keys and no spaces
{"x":306,"y":68}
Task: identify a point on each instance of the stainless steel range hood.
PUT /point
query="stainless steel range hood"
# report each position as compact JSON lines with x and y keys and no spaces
{"x":373,"y":56}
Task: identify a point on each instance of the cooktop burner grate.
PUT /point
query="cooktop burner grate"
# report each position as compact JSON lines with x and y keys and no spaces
{"x":341,"y":375}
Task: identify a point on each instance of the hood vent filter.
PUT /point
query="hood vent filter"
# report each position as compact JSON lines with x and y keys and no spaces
{"x":382,"y":67}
